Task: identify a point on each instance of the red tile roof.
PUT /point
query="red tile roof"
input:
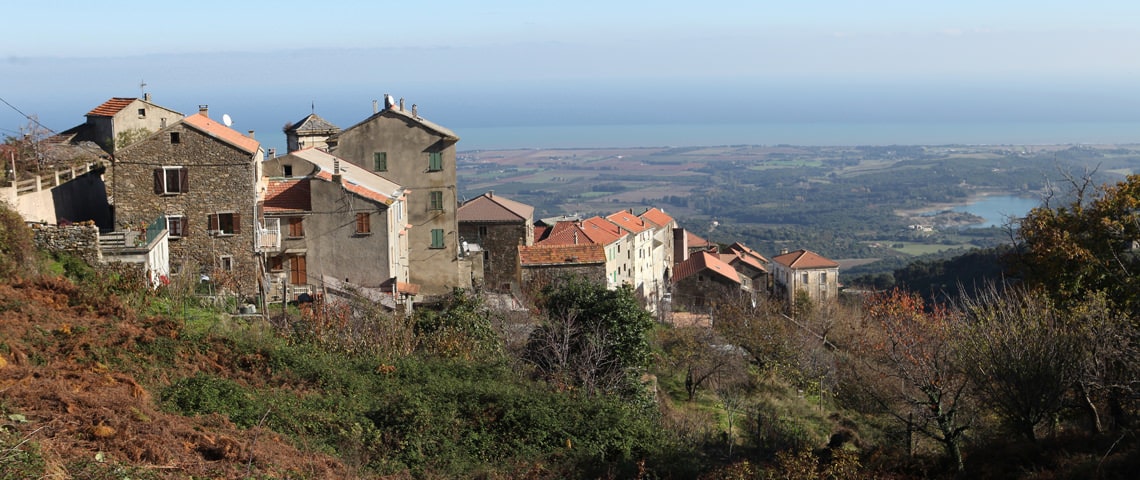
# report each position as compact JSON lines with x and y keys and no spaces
{"x":222,"y":132}
{"x":111,"y":107}
{"x":695,"y":241}
{"x":604,"y":225}
{"x":629,"y":221}
{"x":705,"y":262}
{"x":657,"y":217}
{"x":804,"y":259}
{"x":536,"y":255}
{"x":540,"y":233}
{"x":734,"y":256}
{"x":489,"y":208}
{"x":740,"y":247}
{"x":571,"y":233}
{"x":288,"y":196}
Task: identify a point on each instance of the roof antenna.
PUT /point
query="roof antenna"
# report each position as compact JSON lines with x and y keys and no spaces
{"x":142,"y":88}
{"x":313,"y":107}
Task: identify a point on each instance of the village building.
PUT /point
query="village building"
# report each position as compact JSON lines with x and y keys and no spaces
{"x":340,"y":226}
{"x":808,"y":272}
{"x":498,"y":226}
{"x":201,"y":178}
{"x":703,"y":276}
{"x":411,"y":151}
{"x":118,"y":122}
{"x":311,"y":132}
{"x":542,"y":265}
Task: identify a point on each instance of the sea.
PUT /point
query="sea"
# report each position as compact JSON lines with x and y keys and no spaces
{"x":792,"y":133}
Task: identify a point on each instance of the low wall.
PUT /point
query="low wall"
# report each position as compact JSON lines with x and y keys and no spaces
{"x":80,"y":239}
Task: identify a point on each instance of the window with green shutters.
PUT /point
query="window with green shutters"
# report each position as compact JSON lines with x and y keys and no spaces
{"x":380,"y":162}
{"x":435,"y":161}
{"x":437,"y":238}
{"x":436,"y":200}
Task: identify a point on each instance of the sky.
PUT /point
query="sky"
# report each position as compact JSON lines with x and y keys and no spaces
{"x":526,"y":63}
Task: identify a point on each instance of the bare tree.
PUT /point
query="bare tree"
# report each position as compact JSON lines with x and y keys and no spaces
{"x":906,"y":362}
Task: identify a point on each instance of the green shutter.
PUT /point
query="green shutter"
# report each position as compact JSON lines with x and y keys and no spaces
{"x":435,"y":162}
{"x":437,"y":238}
{"x":380,"y":162}
{"x":437,"y":200}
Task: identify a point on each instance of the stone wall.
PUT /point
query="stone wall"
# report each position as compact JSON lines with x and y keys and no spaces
{"x":81,"y":240}
{"x":501,"y":242}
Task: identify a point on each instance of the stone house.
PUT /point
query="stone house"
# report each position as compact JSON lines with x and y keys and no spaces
{"x":661,"y":249}
{"x":701,"y":277}
{"x":749,"y":263}
{"x":806,"y":271}
{"x":407,"y":149}
{"x":541,"y":265}
{"x":498,"y":226}
{"x":339,"y":224}
{"x":596,"y":231}
{"x":203,"y":178}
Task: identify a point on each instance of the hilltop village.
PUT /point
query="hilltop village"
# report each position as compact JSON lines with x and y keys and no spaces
{"x":371,"y":208}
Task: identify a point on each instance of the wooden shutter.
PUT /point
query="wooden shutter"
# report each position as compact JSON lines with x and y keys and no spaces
{"x":212,"y":222}
{"x":183,"y":180}
{"x":237,"y":222}
{"x":297,"y":273}
{"x":183,"y":226}
{"x":158,"y":181}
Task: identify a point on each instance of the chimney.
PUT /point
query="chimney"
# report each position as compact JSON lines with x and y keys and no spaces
{"x":251,"y":134}
{"x":204,"y":110}
{"x":414,"y":113}
{"x":336,"y":172}
{"x":575,"y":237}
{"x":375,"y":107}
{"x":490,"y":194}
{"x":146,"y":97}
{"x":783,"y":251}
{"x":401,"y":104}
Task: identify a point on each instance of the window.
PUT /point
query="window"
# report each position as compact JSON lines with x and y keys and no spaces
{"x":276,"y":264}
{"x":227,"y":262}
{"x":224,"y":223}
{"x":142,"y":113}
{"x":296,"y":227}
{"x":171,"y":180}
{"x":823,"y":278}
{"x":175,"y":137}
{"x":804,"y":279}
{"x":436,"y":200}
{"x":288,"y":170}
{"x":363,"y":224}
{"x":380,"y":161}
{"x":437,"y":238}
{"x":435,"y":161}
{"x":176,"y":226}
{"x":482,"y":231}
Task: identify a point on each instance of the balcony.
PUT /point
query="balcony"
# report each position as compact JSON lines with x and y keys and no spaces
{"x":269,"y":235}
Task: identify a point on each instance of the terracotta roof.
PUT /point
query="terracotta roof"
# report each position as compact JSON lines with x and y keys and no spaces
{"x":695,"y":241}
{"x":221,"y":132}
{"x":536,"y":255}
{"x":111,"y":107}
{"x":740,"y":247}
{"x":604,"y":225}
{"x":540,"y":232}
{"x":657,"y":217}
{"x":313,"y":123}
{"x":288,"y":196}
{"x":705,"y":262}
{"x":629,"y":221}
{"x":734,"y":256}
{"x":804,"y":259}
{"x":407,"y":116}
{"x":355,"y":179}
{"x":489,"y":208}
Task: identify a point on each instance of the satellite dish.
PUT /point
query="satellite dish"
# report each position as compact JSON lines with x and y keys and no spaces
{"x":227,"y":120}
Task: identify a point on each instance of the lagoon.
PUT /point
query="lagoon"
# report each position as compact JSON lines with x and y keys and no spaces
{"x":996,"y":209}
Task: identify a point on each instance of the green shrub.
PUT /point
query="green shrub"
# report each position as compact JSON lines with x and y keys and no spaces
{"x":17,"y":251}
{"x":205,"y":393}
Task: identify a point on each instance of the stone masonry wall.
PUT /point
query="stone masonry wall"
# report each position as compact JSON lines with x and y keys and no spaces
{"x":81,"y":240}
{"x":501,"y":242}
{"x":222,"y":179}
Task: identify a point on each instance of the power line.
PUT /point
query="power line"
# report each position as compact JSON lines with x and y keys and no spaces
{"x":29,"y":117}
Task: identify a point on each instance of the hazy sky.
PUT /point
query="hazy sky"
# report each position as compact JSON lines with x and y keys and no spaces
{"x":265,"y":60}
